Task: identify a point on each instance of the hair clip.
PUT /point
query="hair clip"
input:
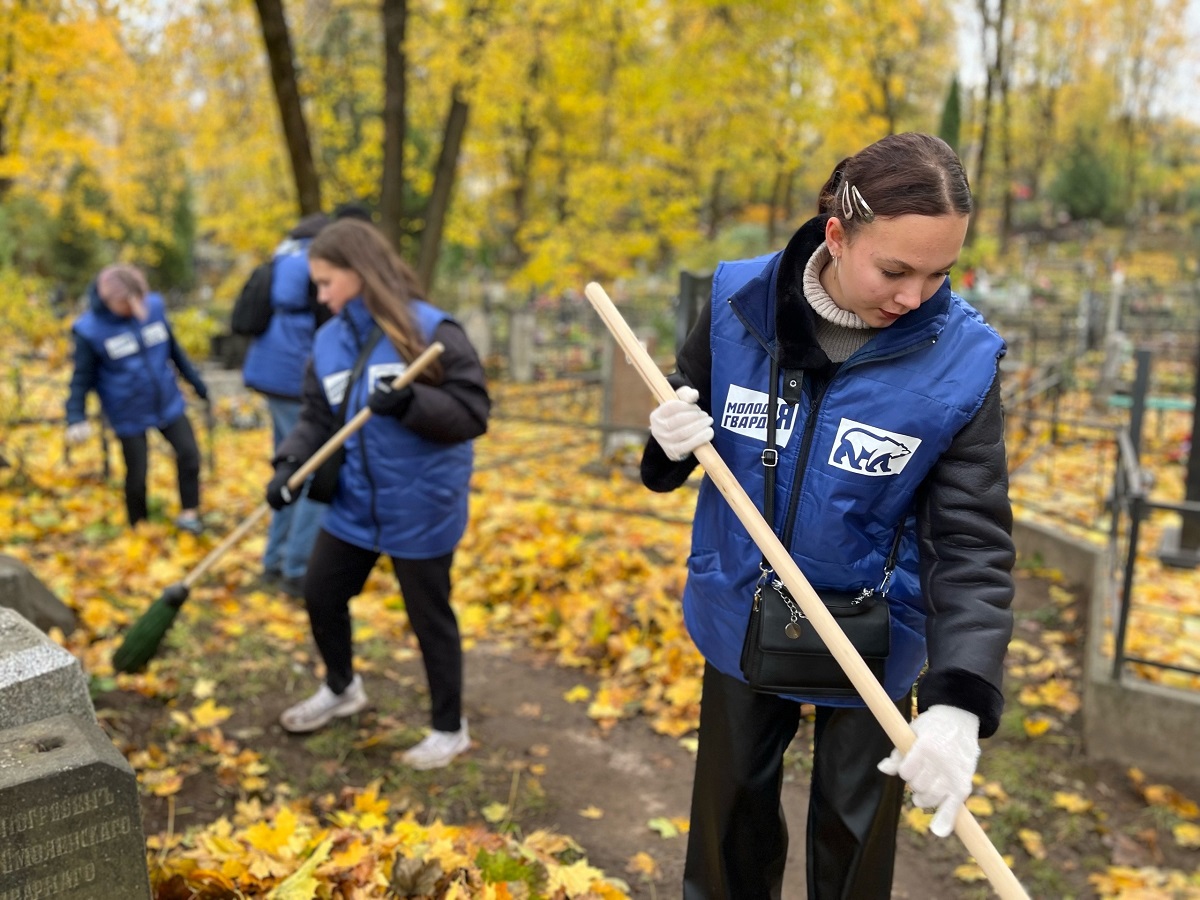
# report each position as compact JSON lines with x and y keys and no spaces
{"x":852,"y":201}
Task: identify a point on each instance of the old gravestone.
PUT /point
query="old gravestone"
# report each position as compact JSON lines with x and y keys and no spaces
{"x":24,"y":592}
{"x":38,"y":678}
{"x":70,"y":823}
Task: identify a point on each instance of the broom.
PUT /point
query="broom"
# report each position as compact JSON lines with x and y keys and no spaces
{"x":966,"y":827}
{"x":143,"y":638}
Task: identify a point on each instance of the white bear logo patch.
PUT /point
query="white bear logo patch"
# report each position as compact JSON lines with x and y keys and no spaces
{"x":867,"y":450}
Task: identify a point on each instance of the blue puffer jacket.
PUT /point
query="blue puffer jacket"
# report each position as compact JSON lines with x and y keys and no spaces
{"x":863,"y":443}
{"x":398,"y":492}
{"x":276,"y":358}
{"x":129,"y":364}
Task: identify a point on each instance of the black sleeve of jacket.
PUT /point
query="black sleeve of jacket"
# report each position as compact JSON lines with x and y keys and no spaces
{"x":457,"y":409}
{"x":693,"y":366}
{"x":315,"y":425}
{"x":964,"y":529}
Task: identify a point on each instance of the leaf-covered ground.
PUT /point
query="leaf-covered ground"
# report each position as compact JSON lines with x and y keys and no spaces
{"x":567,"y":559}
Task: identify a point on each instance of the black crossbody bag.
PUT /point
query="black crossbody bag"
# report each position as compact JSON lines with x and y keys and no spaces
{"x":325,"y":479}
{"x":782,"y":652}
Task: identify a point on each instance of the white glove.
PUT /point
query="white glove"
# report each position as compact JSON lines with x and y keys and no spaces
{"x":941,"y":762}
{"x":79,"y":432}
{"x":680,"y":426}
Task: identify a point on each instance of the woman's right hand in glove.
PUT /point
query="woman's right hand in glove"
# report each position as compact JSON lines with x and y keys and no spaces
{"x":680,"y":425}
{"x":279,"y":494}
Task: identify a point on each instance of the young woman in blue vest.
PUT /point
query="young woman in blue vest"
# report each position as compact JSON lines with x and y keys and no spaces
{"x":858,"y":314}
{"x":402,"y":488}
{"x":123,"y":345}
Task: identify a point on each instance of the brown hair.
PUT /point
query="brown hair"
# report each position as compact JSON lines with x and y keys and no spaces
{"x":899,"y":175}
{"x":389,"y":285}
{"x":120,"y":282}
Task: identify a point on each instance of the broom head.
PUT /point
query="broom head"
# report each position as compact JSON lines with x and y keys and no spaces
{"x":142,"y":640}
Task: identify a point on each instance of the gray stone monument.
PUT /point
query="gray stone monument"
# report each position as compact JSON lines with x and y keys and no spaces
{"x":70,"y":823}
{"x":627,"y":401}
{"x":479,"y":332}
{"x":24,"y":592}
{"x":521,"y":340}
{"x":38,"y":678}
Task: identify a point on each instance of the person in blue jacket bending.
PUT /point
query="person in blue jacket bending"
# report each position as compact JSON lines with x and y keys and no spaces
{"x":274,"y":366}
{"x":125,"y":352}
{"x":402,"y":488}
{"x":889,"y":439}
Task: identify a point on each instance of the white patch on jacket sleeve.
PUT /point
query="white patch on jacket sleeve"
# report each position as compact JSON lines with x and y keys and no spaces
{"x":335,"y":386}
{"x":383,"y":370}
{"x":154,"y":333}
{"x":121,"y":345}
{"x":868,"y":450}
{"x":745,"y":413}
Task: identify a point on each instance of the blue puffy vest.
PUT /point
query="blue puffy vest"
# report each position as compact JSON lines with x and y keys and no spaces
{"x":276,"y":359}
{"x":862,"y":450}
{"x":397,"y":492}
{"x":136,"y":378}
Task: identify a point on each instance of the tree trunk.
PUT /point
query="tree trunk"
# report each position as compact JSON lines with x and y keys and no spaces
{"x":443,"y":185}
{"x":995,"y":58}
{"x":1006,"y":161}
{"x":287,"y":94}
{"x":391,"y":194}
{"x":438,"y":205}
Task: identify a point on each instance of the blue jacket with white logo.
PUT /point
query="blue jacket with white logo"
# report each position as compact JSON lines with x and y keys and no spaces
{"x":879,"y":442}
{"x":276,"y":358}
{"x":131,"y":365}
{"x":403,"y":486}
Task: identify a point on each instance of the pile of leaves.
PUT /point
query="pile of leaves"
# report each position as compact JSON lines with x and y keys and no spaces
{"x":351,"y":847}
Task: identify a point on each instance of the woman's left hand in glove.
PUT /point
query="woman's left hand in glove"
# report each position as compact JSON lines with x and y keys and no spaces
{"x":387,"y":401}
{"x":940,"y":764}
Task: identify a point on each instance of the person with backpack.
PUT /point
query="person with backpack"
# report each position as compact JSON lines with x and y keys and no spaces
{"x":402,"y":487}
{"x":125,"y":352}
{"x":278,"y":308}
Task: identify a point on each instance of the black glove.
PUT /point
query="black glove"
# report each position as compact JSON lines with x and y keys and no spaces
{"x":278,"y":493}
{"x":201,"y":390}
{"x":386,"y":401}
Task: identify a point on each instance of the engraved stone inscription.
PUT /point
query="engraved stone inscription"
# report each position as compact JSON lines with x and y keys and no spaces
{"x":70,"y":820}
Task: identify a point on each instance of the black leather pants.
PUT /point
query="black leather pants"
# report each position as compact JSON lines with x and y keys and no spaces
{"x":737,"y":844}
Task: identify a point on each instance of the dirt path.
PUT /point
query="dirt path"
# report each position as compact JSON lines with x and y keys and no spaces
{"x":632,"y":775}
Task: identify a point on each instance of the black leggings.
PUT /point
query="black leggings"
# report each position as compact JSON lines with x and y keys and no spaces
{"x":337,"y":572}
{"x":187,"y":466}
{"x":737,"y":845}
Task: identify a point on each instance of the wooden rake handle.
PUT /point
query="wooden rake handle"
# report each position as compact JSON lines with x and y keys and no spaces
{"x":965,"y":826}
{"x":310,"y":465}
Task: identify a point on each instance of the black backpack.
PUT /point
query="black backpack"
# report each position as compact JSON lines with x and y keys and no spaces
{"x":252,"y":311}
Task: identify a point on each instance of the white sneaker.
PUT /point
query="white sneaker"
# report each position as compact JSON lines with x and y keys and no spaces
{"x":438,"y":748}
{"x":311,"y":714}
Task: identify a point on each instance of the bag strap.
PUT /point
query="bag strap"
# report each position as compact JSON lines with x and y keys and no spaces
{"x":770,"y":461}
{"x":372,"y":340}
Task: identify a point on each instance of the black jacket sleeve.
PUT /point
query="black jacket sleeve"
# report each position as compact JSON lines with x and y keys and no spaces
{"x":83,"y":380}
{"x":693,"y":366}
{"x":457,"y":409}
{"x":964,"y":530}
